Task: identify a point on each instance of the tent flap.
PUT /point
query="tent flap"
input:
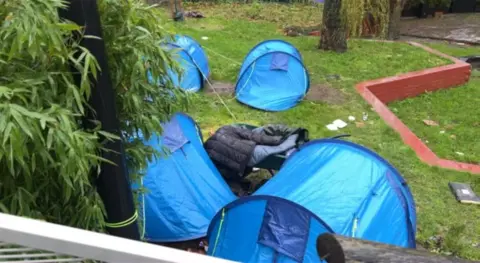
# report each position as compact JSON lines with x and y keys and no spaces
{"x":285,"y":228}
{"x":279,"y":61}
{"x":174,"y":138}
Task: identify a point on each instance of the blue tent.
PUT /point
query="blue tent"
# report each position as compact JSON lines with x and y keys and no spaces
{"x":184,"y":190}
{"x":261,"y":228}
{"x":355,"y":192}
{"x":192,"y":60}
{"x":273,"y":77}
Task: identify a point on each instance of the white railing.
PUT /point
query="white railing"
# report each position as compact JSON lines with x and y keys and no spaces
{"x":26,"y":240}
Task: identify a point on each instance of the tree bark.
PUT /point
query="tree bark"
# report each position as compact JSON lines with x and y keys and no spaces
{"x":396,"y":7}
{"x":176,"y":9}
{"x":333,"y":35}
{"x":356,"y":250}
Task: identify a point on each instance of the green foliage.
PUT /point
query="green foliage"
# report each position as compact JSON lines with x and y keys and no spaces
{"x":133,"y":38}
{"x":452,"y":242}
{"x":355,"y":11}
{"x":283,"y":14}
{"x":47,"y":159}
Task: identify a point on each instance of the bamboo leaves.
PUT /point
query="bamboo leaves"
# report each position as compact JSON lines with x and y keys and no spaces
{"x":46,"y":156}
{"x":135,"y":43}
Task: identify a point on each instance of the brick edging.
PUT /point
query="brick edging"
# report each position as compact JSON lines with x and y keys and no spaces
{"x":380,"y":92}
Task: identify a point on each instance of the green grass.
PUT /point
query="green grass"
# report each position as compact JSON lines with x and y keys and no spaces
{"x":455,"y":111}
{"x":439,"y":215}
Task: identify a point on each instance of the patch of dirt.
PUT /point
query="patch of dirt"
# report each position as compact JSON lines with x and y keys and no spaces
{"x":327,"y":94}
{"x":220,"y":88}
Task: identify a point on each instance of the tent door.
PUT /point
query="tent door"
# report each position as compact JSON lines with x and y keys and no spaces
{"x":279,"y":61}
{"x":285,"y":229}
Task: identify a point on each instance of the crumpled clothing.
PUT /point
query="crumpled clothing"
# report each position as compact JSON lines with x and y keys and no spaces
{"x":231,"y":147}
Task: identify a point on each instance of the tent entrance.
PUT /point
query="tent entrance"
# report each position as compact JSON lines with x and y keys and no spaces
{"x":271,"y":81}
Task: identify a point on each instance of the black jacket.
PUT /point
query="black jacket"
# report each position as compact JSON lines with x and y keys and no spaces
{"x":231,"y":147}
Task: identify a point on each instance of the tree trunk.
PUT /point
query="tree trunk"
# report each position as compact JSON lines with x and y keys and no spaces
{"x":356,"y":250}
{"x":333,"y":34}
{"x":396,"y":7}
{"x":176,"y":10}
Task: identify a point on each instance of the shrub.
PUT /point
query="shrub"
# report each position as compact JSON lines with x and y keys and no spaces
{"x":47,"y":159}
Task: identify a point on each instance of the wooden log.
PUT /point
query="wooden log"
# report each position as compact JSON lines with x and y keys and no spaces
{"x":356,"y":250}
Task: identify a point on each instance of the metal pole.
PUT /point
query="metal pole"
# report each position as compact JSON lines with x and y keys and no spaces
{"x":113,"y":182}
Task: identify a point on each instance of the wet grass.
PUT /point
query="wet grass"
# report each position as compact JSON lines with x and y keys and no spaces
{"x":231,"y":36}
{"x":455,"y":111}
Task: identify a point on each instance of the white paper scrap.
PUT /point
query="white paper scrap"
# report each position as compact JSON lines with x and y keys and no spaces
{"x":340,"y":124}
{"x":332,"y":127}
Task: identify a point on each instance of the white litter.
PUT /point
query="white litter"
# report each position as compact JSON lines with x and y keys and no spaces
{"x":332,"y":127}
{"x":204,"y":38}
{"x":339,"y":123}
{"x":365,"y":116}
{"x":351,"y":118}
{"x":442,"y":132}
{"x":460,"y":153}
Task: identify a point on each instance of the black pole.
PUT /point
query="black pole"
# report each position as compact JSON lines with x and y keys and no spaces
{"x":112,"y":184}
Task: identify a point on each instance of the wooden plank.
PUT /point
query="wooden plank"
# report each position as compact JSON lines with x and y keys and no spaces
{"x":356,"y":250}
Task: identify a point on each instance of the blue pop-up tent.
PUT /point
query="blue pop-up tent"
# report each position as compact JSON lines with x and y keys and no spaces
{"x":263,"y":228}
{"x":193,"y":62}
{"x":352,"y":189}
{"x":272,"y":77}
{"x":183,"y":190}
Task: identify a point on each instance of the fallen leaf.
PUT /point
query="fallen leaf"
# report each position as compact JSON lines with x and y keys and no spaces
{"x":360,"y":124}
{"x":453,"y":136}
{"x":430,"y":123}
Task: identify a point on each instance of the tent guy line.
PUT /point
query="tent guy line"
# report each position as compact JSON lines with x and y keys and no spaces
{"x":221,"y":55}
{"x":218,"y":95}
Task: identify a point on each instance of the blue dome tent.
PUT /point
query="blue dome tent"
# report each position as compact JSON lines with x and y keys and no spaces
{"x":352,"y":189}
{"x":356,"y":192}
{"x":192,"y":60}
{"x":261,"y":228}
{"x":272,"y":77}
{"x":184,"y":190}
